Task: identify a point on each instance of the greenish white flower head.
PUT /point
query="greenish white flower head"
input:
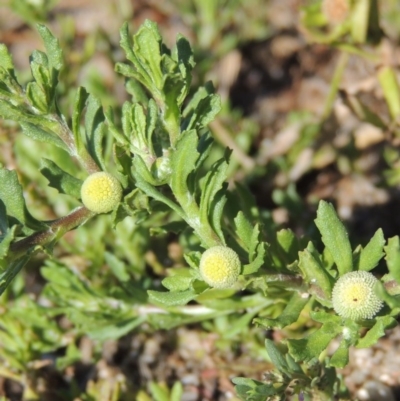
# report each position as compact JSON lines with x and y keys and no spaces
{"x":101,"y":192}
{"x":353,"y":296}
{"x":220,"y":267}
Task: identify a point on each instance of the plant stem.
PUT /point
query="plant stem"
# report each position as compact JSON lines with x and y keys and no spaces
{"x":337,"y":77}
{"x":57,"y":228}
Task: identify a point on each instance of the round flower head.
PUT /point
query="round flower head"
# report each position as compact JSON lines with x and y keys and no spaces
{"x":353,"y":296}
{"x":220,"y":267}
{"x":101,"y":192}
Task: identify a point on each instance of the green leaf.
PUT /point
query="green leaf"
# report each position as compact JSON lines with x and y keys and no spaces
{"x":147,"y":46}
{"x":289,"y":315}
{"x":144,"y":51}
{"x":13,"y":268}
{"x":340,"y":358}
{"x":37,"y":97}
{"x":253,"y":390}
{"x":176,"y":392}
{"x":38,"y":134}
{"x":53,"y":50}
{"x":3,"y":219}
{"x":243,"y":229}
{"x":214,"y":182}
{"x":334,"y":237}
{"x":392,"y":258}
{"x":373,"y":252}
{"x":60,"y":180}
{"x":276,"y":356}
{"x":6,"y":59}
{"x":152,"y":192}
{"x":11,"y":193}
{"x":95,"y":129}
{"x":171,"y":298}
{"x":390,"y":86}
{"x":180,"y":281}
{"x":202,"y":108}
{"x":117,"y":266}
{"x":72,"y":355}
{"x":377,"y":331}
{"x":311,"y":347}
{"x":183,"y":161}
{"x":113,"y":329}
{"x":257,"y":258}
{"x":159,"y":393}
{"x":288,"y":244}
{"x":79,"y":105}
{"x":314,"y":272}
{"x":6,"y":239}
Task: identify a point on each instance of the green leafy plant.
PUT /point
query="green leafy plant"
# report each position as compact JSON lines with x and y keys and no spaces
{"x":160,"y":178}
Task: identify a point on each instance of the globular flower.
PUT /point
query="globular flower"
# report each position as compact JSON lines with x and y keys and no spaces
{"x":101,"y":192}
{"x":220,"y":267}
{"x":353,"y":296}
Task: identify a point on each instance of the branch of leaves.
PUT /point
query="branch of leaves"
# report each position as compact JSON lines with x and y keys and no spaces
{"x":313,"y":379}
{"x":341,"y":279}
{"x":35,"y":107}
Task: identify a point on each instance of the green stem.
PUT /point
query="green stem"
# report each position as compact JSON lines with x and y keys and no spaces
{"x":83,"y":157}
{"x":333,"y":90}
{"x":57,"y":229}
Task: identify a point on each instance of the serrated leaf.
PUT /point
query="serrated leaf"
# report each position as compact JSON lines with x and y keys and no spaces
{"x":306,"y":349}
{"x":138,"y":132}
{"x":276,"y":357}
{"x":289,"y":315}
{"x":289,"y":245}
{"x":393,"y":257}
{"x":38,"y":134}
{"x":113,"y":128}
{"x":377,"y":331}
{"x":183,"y":161}
{"x":11,"y":193}
{"x":79,"y":105}
{"x":53,"y":50}
{"x":373,"y":252}
{"x":214,"y":182}
{"x":244,"y":229}
{"x":36,"y":97}
{"x":171,"y":298}
{"x":313,"y":270}
{"x":6,"y":59}
{"x":178,"y":282}
{"x":95,"y":129}
{"x":60,"y":180}
{"x":340,"y":358}
{"x":258,"y":259}
{"x":141,"y":71}
{"x":335,"y":237}
{"x":202,"y":108}
{"x":147,"y":45}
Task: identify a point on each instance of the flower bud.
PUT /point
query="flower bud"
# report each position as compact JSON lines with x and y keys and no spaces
{"x":101,"y":192}
{"x":353,"y":296}
{"x":220,"y":267}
